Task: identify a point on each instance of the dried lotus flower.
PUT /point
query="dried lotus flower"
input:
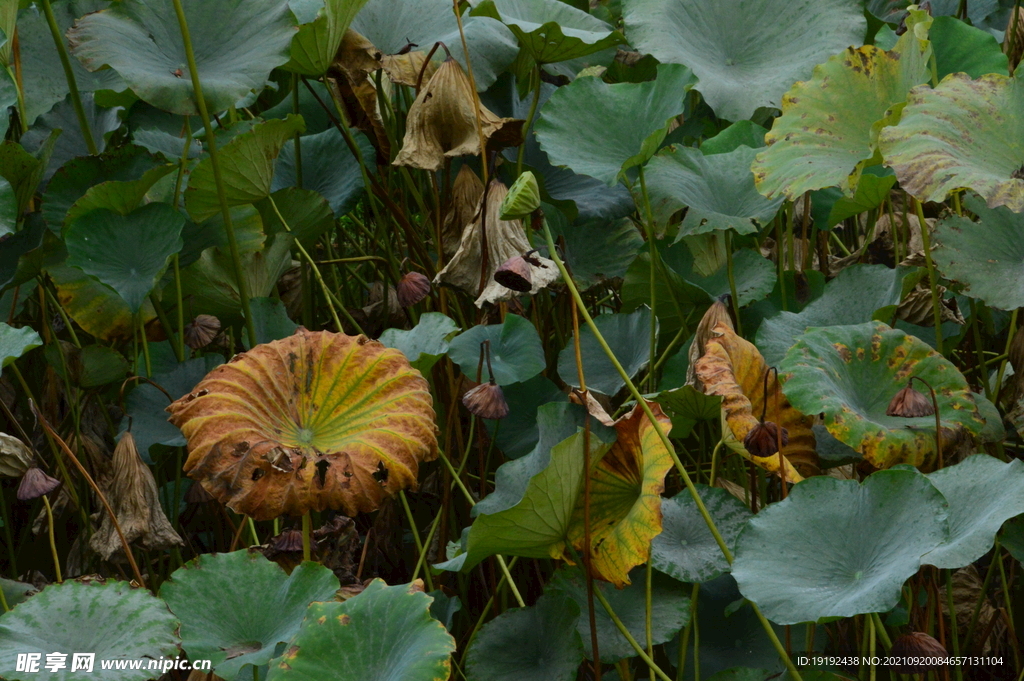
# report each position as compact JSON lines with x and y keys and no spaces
{"x":467,"y":190}
{"x":35,"y":483}
{"x":910,"y":403}
{"x":505,"y":239}
{"x":515,"y":274}
{"x":134,"y":498}
{"x":763,"y":439}
{"x":287,"y":541}
{"x":15,"y":457}
{"x":201,"y":331}
{"x":442,"y":122}
{"x":412,"y":288}
{"x":911,"y":651}
{"x":486,"y":401}
{"x":308,"y":422}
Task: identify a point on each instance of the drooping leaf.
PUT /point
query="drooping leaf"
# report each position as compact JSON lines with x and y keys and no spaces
{"x":99,"y":310}
{"x":121,"y":197}
{"x":580,"y":126}
{"x":629,"y":337}
{"x":16,"y":342}
{"x":236,"y":43}
{"x":235,"y":608}
{"x":318,"y":420}
{"x":741,"y":133}
{"x":516,"y":352}
{"x":425,"y":343}
{"x":109,"y":619}
{"x":684,"y":404}
{"x":746,"y":54}
{"x":103,"y":122}
{"x":817,"y":576}
{"x":315,"y":45}
{"x":328,"y":167}
{"x":851,"y":373}
{"x":753,"y":274}
{"x":23,"y":170}
{"x":871,"y":191}
{"x":386,"y":632}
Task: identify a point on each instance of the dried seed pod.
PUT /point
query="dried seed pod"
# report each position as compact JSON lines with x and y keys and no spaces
{"x":289,"y":540}
{"x":486,"y":401}
{"x":910,"y":403}
{"x":762,"y":440}
{"x":523,"y":198}
{"x":35,"y":483}
{"x":916,"y":645}
{"x":515,"y":274}
{"x":201,"y":331}
{"x":412,"y":288}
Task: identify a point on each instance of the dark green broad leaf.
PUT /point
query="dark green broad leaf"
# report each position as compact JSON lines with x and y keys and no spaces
{"x":22,"y":253}
{"x":551,"y":31}
{"x":739,"y":134}
{"x":1012,"y":537}
{"x":987,"y":257}
{"x":306,"y":214}
{"x":686,"y":549}
{"x":426,"y":342}
{"x":684,"y":404}
{"x":851,"y":298}
{"x":119,"y":197}
{"x":516,"y":351}
{"x":517,"y":434}
{"x":596,"y":250}
{"x":962,"y":133}
{"x":250,"y":234}
{"x":16,"y":342}
{"x":628,"y":335}
{"x":581,"y":125}
{"x":102,"y":122}
{"x":753,"y":274}
{"x":677,"y":303}
{"x":271,"y":320}
{"x":757,"y":50}
{"x":166,"y":144}
{"x":670,"y":610}
{"x":328,"y":167}
{"x":718,"y":190}
{"x":817,"y":576}
{"x":93,"y":305}
{"x":983,"y":493}
{"x":128,"y":253}
{"x":101,"y":366}
{"x":538,"y":643}
{"x":872,"y":189}
{"x":833,"y":452}
{"x":386,"y":632}
{"x":237,"y":43}
{"x":392,"y":24}
{"x":16,"y":592}
{"x":8,"y":209}
{"x":444,"y":607}
{"x":235,"y":608}
{"x":961,"y":48}
{"x":23,"y":170}
{"x":246,"y":166}
{"x":851,"y":373}
{"x":111,"y":620}
{"x":317,"y":42}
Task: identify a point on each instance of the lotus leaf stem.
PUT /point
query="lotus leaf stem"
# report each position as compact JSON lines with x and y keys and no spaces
{"x":932,"y":277}
{"x":415,"y":534}
{"x":69,"y":75}
{"x":652,"y":244}
{"x":535,"y":74}
{"x":629,"y":637}
{"x":53,"y":542}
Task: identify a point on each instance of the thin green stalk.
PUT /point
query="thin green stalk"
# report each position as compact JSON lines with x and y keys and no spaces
{"x":932,"y":278}
{"x":1009,"y":605}
{"x":3,"y":601}
{"x":871,"y":647}
{"x":882,"y":633}
{"x":298,"y":138}
{"x":529,"y":119}
{"x":165,"y":322}
{"x":684,"y":638}
{"x":487,"y":607}
{"x":69,"y":75}
{"x":218,"y":178}
{"x":53,"y":543}
{"x":981,"y":599}
{"x":415,"y":534}
{"x":649,"y":228}
{"x":953,"y":633}
{"x":1006,"y":353}
{"x":629,"y":637}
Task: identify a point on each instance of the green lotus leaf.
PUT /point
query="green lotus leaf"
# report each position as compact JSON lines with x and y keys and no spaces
{"x":24,"y":170}
{"x":684,"y":404}
{"x":128,"y":253}
{"x":92,"y":304}
{"x":851,"y":373}
{"x":686,"y":549}
{"x":517,"y":434}
{"x":120,"y":197}
{"x":746,"y":54}
{"x":829,"y":128}
{"x":596,"y":250}
{"x":1012,"y":537}
{"x":425,"y":343}
{"x":539,"y":643}
{"x":962,"y":133}
{"x":516,"y":351}
{"x":676,"y":301}
{"x":670,"y":610}
{"x":8,"y":209}
{"x":306,"y":212}
{"x":101,"y":365}
{"x":962,"y":48}
{"x":21,"y":257}
{"x":386,"y":632}
{"x":628,"y":335}
{"x":103,"y":122}
{"x":250,"y":235}
{"x":983,"y":493}
{"x":581,"y":125}
{"x":872,"y":190}
{"x":16,"y":592}
{"x":753,"y":274}
{"x":739,"y":134}
{"x":16,"y":342}
{"x":987,"y":257}
{"x":246,"y":166}
{"x":718,"y":190}
{"x":551,"y":31}
{"x":816,"y":576}
{"x":166,"y":144}
{"x":271,"y":320}
{"x":111,"y":620}
{"x":851,"y":298}
{"x":522,"y":199}
{"x":235,"y":608}
{"x":317,"y":42}
{"x":328,"y":167}
{"x":237,"y":43}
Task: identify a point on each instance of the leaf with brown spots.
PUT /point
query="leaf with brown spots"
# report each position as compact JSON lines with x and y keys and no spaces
{"x":850,"y":373}
{"x":306,"y":423}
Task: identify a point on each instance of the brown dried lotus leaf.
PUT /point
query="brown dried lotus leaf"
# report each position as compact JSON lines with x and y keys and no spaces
{"x":466,"y":192}
{"x":15,"y":457}
{"x":315,"y":421}
{"x":505,"y":239}
{"x":442,"y":122}
{"x":1014,"y":46}
{"x":733,"y":369}
{"x":917,"y":308}
{"x":405,"y":69}
{"x":351,"y":83}
{"x":718,"y":313}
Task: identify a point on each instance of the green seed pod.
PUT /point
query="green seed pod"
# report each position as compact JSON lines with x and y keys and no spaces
{"x":523,"y":198}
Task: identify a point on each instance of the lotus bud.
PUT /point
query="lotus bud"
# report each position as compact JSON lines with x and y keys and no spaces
{"x":412,"y":288}
{"x":910,"y":403}
{"x":201,"y":331}
{"x":515,"y":274}
{"x":763,"y":439}
{"x":916,"y":645}
{"x":523,"y":198}
{"x":486,"y":401}
{"x":287,"y":541}
{"x":35,"y":483}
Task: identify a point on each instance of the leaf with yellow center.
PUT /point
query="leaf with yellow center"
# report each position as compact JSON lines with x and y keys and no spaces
{"x":733,"y":369}
{"x":317,"y":420}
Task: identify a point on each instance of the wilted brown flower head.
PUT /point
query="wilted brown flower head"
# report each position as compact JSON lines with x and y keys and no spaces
{"x":486,"y":401}
{"x":717,"y":313}
{"x":916,"y":645}
{"x":910,"y":403}
{"x":467,"y":190}
{"x":201,"y":331}
{"x":412,"y":288}
{"x":515,"y":274}
{"x":287,"y":541}
{"x":35,"y":483}
{"x":762,"y":440}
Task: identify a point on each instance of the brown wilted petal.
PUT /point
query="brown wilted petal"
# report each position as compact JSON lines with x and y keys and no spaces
{"x":442,"y":122}
{"x":466,"y":192}
{"x":412,"y":288}
{"x":35,"y":483}
{"x":515,"y":274}
{"x":915,"y":645}
{"x":15,"y":457}
{"x":405,"y":69}
{"x":486,"y":401}
{"x":287,"y":541}
{"x":717,"y":313}
{"x":134,"y":497}
{"x":1013,"y":45}
{"x":762,"y":440}
{"x":351,"y":81}
{"x":201,"y":331}
{"x":910,"y":403}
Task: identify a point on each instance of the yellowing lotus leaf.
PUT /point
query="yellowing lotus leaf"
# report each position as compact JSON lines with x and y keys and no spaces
{"x":317,"y":420}
{"x":733,"y":369}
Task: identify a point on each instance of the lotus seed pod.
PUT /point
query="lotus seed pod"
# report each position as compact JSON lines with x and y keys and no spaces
{"x":201,"y":331}
{"x":35,"y":483}
{"x":515,"y":274}
{"x":412,"y":288}
{"x":763,"y":439}
{"x":486,"y":401}
{"x":523,"y":198}
{"x":287,"y":541}
{"x":910,"y":403}
{"x":916,"y":645}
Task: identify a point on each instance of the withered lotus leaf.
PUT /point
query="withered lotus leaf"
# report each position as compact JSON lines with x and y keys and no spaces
{"x":317,"y":420}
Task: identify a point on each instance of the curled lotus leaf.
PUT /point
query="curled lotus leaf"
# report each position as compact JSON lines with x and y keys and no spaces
{"x":733,"y":369}
{"x":850,"y":374}
{"x":317,"y":420}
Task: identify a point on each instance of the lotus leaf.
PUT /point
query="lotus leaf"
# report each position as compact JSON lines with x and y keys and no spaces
{"x":517,"y":434}
{"x":596,"y":250}
{"x":16,"y":342}
{"x":95,"y":307}
{"x":960,"y":47}
{"x":317,"y":42}
{"x":629,"y":337}
{"x":328,"y":167}
{"x":424,"y":344}
{"x":516,"y":351}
